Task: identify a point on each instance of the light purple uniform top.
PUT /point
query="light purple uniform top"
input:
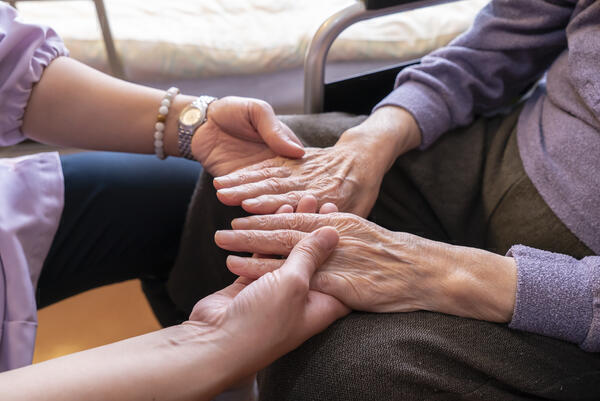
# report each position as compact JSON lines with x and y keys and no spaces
{"x":31,"y":187}
{"x":511,"y":44}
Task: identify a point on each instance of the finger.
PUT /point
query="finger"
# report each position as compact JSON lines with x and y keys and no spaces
{"x":245,"y":176}
{"x":282,"y":209}
{"x":310,"y":253}
{"x":285,"y":209}
{"x":328,"y":208}
{"x":266,"y":164}
{"x":252,"y":268}
{"x":277,"y":135}
{"x":238,"y":285}
{"x":306,"y":222}
{"x":266,"y":204}
{"x":276,"y":242}
{"x":234,"y":196}
{"x":291,"y":135}
{"x":308,"y":204}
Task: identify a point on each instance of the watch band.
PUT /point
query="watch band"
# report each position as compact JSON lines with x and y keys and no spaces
{"x":185,"y":133}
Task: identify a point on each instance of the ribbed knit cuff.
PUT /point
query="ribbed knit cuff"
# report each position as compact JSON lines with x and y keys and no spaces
{"x":554,"y":295}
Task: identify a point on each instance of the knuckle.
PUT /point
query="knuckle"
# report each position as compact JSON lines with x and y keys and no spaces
{"x":298,"y":221}
{"x":288,"y":239}
{"x":251,"y":238}
{"x":273,"y":184}
{"x":298,"y":282}
{"x":263,"y":106}
{"x":261,"y":221}
{"x":294,"y":197}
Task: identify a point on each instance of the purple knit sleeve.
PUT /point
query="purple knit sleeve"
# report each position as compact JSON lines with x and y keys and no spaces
{"x":558,"y":296}
{"x":508,"y":48}
{"x":25,"y":50}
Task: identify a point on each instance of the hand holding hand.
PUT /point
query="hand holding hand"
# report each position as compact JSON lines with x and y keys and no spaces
{"x":240,"y":132}
{"x":377,"y":270}
{"x":341,"y":175}
{"x":273,"y":315}
{"x":348,"y":174}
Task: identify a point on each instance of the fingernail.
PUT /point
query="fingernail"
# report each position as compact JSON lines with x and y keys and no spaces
{"x":240,"y":223}
{"x":225,"y":191}
{"x":224,"y":236}
{"x":235,"y":260}
{"x":251,"y":202}
{"x":327,"y":236}
{"x":296,"y":144}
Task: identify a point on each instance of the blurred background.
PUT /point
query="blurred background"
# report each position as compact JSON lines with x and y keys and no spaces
{"x":249,"y":48}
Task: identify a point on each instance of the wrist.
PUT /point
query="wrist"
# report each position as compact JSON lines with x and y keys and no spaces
{"x":230,"y":358}
{"x":209,"y":346}
{"x":480,"y":284}
{"x":391,"y":129}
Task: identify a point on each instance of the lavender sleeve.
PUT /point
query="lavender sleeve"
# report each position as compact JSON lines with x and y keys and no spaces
{"x":558,"y":296}
{"x":508,"y":48}
{"x":25,"y":50}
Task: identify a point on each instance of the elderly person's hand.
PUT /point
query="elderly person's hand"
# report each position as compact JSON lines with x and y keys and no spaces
{"x":240,"y":132}
{"x":377,"y":270}
{"x":348,"y":174}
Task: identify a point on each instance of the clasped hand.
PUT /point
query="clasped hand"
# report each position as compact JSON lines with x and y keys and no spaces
{"x":240,"y":132}
{"x":377,"y":270}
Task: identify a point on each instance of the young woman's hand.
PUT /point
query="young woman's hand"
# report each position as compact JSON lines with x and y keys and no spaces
{"x":264,"y":319}
{"x":240,"y":132}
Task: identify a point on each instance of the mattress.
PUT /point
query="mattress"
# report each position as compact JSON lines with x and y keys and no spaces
{"x":185,"y":39}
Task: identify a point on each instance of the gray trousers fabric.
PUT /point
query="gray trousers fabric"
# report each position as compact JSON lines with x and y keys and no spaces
{"x":469,"y":189}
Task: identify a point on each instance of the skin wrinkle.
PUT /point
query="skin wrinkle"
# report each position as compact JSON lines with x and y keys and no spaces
{"x":377,"y":270}
{"x":330,"y":176}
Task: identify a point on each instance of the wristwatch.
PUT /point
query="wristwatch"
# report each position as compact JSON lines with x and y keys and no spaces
{"x":190,"y":119}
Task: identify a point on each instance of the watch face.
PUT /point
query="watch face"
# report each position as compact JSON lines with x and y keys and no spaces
{"x":192,"y":116}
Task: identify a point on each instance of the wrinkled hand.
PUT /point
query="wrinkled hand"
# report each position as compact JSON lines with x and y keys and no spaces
{"x":348,"y":174}
{"x":372,"y":269}
{"x":344,"y":175}
{"x":273,"y":315}
{"x":240,"y":132}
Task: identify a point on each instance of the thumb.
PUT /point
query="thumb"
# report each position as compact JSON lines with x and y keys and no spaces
{"x":278,"y":136}
{"x":310,"y":253}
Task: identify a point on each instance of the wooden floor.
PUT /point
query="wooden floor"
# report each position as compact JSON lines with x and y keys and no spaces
{"x":94,"y":318}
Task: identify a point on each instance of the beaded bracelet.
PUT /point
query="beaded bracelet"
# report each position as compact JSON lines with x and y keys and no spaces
{"x":163,"y":111}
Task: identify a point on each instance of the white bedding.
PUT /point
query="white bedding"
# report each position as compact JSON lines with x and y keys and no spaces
{"x":199,"y":38}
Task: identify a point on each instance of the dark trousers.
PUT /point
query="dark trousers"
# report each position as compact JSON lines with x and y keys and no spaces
{"x":469,"y":189}
{"x":122,"y":219}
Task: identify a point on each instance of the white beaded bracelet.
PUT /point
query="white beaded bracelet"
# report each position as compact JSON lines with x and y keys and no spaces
{"x":163,"y":111}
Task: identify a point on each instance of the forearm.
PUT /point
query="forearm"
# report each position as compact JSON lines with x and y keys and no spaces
{"x":77,"y":106}
{"x":185,"y":362}
{"x":461,"y":281}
